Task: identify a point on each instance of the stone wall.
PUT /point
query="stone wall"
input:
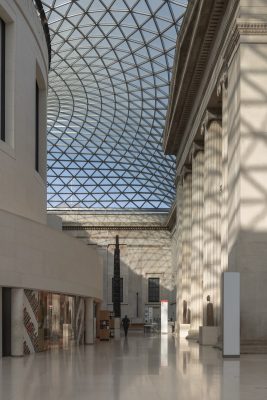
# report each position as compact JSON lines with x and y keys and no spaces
{"x":146,"y":248}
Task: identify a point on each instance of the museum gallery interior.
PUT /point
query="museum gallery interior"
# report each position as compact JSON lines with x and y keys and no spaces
{"x":133,"y":202}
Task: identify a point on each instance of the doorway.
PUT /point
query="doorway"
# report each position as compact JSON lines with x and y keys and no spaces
{"x":6,"y":322}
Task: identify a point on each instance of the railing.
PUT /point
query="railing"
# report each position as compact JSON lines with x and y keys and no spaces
{"x":39,"y":6}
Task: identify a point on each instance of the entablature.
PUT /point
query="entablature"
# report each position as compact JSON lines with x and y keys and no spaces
{"x":197,"y":39}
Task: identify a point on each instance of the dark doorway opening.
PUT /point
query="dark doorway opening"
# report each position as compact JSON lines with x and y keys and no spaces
{"x":6,"y":322}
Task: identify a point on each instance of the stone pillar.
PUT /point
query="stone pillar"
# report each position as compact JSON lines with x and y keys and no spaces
{"x":1,"y":326}
{"x":98,"y":308}
{"x":197,"y":240}
{"x":212,"y":213}
{"x":94,"y":328}
{"x":247,"y":172}
{"x":89,"y":320}
{"x":17,"y":323}
{"x":222,"y":91}
{"x":179,"y":225}
{"x":186,"y":244}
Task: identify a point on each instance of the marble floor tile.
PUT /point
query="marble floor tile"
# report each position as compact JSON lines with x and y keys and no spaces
{"x":139,"y":368}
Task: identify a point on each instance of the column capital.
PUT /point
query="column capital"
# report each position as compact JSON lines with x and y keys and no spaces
{"x":223,"y":81}
{"x":186,"y":170}
{"x":196,"y":147}
{"x":178,"y":180}
{"x":211,"y":114}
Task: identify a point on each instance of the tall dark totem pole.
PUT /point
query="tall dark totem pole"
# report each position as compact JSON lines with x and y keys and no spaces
{"x":117,"y":281}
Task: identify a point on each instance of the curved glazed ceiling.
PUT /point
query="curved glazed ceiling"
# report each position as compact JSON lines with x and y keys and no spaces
{"x":108,"y":94}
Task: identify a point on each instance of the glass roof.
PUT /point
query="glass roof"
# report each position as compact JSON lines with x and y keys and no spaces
{"x":107,"y":102}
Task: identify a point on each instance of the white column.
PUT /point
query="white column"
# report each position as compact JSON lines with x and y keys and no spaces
{"x":89,"y":320}
{"x":186,"y":241}
{"x":179,"y":227}
{"x":212,"y":214}
{"x":197,"y":240}
{"x":222,"y":91}
{"x":1,"y":326}
{"x":17,"y":323}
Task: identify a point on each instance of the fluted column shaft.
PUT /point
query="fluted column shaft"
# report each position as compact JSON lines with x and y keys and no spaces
{"x":212,"y":216}
{"x":179,"y":225}
{"x":186,"y":242}
{"x":197,"y":241}
{"x":222,"y":89}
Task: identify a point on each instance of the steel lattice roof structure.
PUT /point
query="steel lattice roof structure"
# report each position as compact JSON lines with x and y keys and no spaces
{"x":108,"y":94}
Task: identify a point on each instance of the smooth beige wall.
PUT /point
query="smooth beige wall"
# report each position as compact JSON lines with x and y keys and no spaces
{"x":247,"y":168}
{"x":23,"y":190}
{"x":36,"y":256}
{"x":33,"y":255}
{"x":144,"y":253}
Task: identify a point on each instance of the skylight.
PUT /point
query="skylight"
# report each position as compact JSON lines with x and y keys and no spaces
{"x":107,"y":102}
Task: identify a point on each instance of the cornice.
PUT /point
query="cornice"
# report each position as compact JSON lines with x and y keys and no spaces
{"x":210,"y":16}
{"x":251,"y":27}
{"x":233,"y":30}
{"x":243,"y":27}
{"x":171,"y":220}
{"x":44,"y":22}
{"x":37,"y":26}
{"x":185,"y":42}
{"x":115,"y":228}
{"x":216,"y":66}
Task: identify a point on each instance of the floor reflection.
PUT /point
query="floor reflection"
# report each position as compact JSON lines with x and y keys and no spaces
{"x":164,"y":351}
{"x":138,"y":367}
{"x":230,"y":379}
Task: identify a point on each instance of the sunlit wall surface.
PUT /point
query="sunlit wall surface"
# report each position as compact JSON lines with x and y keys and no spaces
{"x":109,"y":86}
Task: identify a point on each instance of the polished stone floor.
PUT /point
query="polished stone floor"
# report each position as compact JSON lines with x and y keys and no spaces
{"x":150,"y":368}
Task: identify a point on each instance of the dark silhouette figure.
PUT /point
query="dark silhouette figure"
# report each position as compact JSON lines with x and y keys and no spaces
{"x":184,"y":312}
{"x":188,"y":316}
{"x":210,"y":313}
{"x":125,"y":323}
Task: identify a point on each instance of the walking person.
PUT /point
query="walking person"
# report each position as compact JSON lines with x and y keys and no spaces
{"x":125,"y":323}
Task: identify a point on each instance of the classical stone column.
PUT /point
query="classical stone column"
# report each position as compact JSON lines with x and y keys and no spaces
{"x":197,"y":240}
{"x":89,"y":320}
{"x":1,"y":326}
{"x":17,"y":323}
{"x":212,"y":213}
{"x":186,"y":245}
{"x":179,"y":227}
{"x":222,"y":91}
